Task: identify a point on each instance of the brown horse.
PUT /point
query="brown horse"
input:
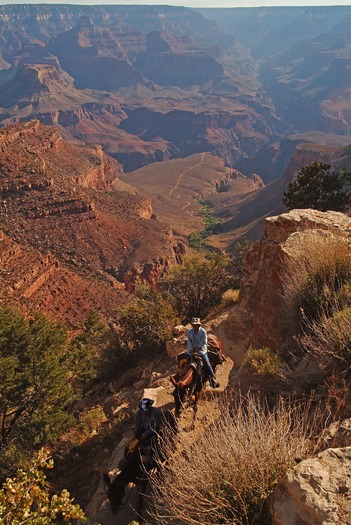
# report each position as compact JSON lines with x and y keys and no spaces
{"x":135,"y":470}
{"x":191,"y":378}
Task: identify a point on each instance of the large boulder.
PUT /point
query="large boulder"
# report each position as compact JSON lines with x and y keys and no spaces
{"x":315,"y":492}
{"x":258,"y":320}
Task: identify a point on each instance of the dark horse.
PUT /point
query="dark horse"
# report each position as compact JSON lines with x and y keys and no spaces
{"x":135,"y":469}
{"x":191,"y":378}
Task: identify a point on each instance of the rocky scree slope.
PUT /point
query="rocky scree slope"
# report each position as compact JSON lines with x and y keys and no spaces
{"x":64,"y":201}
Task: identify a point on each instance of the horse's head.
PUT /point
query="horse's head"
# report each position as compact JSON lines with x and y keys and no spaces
{"x":115,"y":492}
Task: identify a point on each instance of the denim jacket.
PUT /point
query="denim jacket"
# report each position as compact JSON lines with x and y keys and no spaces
{"x":197,"y":340}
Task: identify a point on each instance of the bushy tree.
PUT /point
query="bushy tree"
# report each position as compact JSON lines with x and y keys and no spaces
{"x":25,"y":499}
{"x":85,"y":347}
{"x":318,"y":188}
{"x":147,"y":322}
{"x":198,"y":284}
{"x":39,"y":369}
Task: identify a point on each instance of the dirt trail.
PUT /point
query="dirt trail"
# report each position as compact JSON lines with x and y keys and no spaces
{"x":160,"y":390}
{"x":186,"y":171}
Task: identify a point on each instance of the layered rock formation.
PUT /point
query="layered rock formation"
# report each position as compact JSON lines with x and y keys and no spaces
{"x":34,"y":280}
{"x":258,"y":320}
{"x":154,"y":60}
{"x":64,"y":203}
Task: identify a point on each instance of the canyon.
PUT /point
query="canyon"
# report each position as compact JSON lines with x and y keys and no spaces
{"x":118,"y":123}
{"x":154,"y":83}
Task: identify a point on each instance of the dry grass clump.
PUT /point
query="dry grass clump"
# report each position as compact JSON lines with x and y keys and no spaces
{"x":325,"y":352}
{"x":230,"y":297}
{"x":318,"y":295}
{"x":320,"y":280}
{"x":226,"y":475}
{"x":328,"y":339}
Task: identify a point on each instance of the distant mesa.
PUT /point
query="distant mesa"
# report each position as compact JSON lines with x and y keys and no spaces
{"x":94,"y":57}
{"x":42,"y":85}
{"x":174,"y":61}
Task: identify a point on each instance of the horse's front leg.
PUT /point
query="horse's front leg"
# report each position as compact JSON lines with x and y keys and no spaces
{"x":140,"y":500}
{"x":179,"y":394}
{"x":196,"y":396}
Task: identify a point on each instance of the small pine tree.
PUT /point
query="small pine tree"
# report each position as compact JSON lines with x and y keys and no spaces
{"x":317,"y":188}
{"x":39,"y":369}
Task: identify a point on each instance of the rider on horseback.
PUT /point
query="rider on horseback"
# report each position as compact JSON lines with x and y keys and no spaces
{"x":147,"y":424}
{"x":197,"y":349}
{"x":147,"y":421}
{"x":197,"y":345}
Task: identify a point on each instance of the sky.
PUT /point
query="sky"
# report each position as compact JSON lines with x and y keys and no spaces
{"x":190,"y":3}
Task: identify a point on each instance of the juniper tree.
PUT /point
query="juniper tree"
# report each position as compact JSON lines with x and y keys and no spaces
{"x":318,"y":188}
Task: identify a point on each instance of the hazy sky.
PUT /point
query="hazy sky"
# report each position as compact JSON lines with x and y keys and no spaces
{"x":191,"y":3}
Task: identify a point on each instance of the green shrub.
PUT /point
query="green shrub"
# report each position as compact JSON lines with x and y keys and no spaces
{"x":147,"y":322}
{"x":198,"y":283}
{"x":263,"y":362}
{"x":25,"y":499}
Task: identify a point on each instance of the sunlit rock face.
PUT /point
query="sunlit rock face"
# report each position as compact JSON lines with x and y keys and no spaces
{"x":258,"y":320}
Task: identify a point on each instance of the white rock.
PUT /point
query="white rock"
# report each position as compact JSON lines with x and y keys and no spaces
{"x":315,"y":492}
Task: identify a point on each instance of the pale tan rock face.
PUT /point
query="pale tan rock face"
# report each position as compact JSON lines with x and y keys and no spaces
{"x":258,"y":319}
{"x":315,"y":492}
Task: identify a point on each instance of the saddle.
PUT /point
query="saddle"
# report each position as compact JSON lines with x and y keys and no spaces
{"x":131,"y":447}
{"x":186,"y":370}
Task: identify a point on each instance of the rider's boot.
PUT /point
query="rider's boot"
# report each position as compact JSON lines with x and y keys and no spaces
{"x":214,"y":383}
{"x":186,"y":379}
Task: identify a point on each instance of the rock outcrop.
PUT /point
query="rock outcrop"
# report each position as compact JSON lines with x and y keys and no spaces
{"x":258,"y":320}
{"x":315,"y":492}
